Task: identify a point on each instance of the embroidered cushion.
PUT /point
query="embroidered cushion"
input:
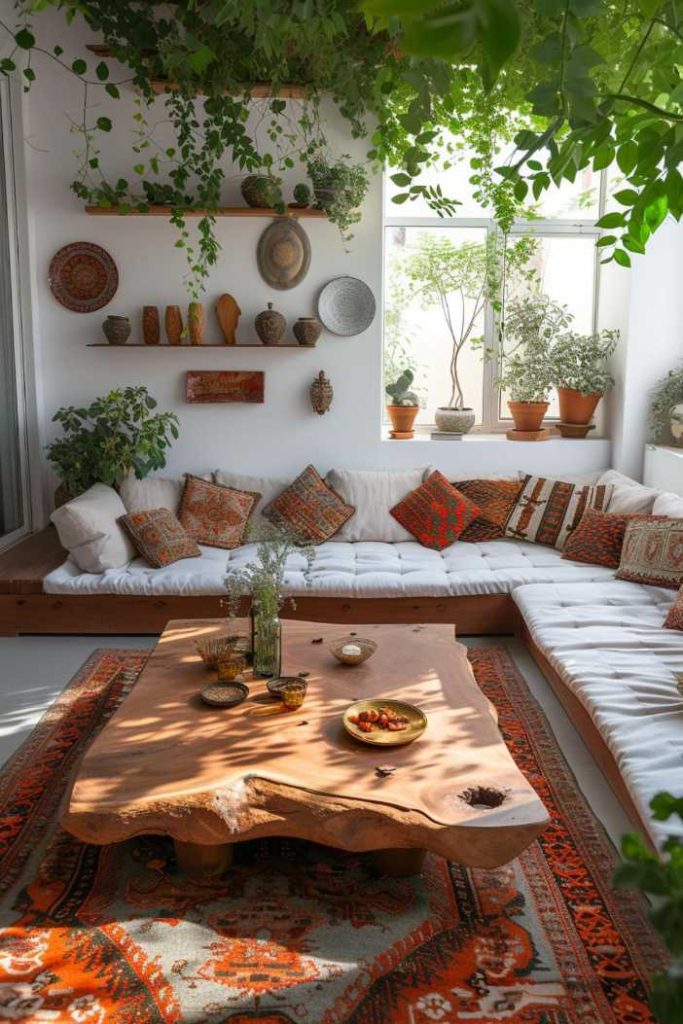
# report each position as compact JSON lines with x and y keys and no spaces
{"x":547,"y":511}
{"x":599,"y":537}
{"x":159,"y":537}
{"x":310,"y":509}
{"x":496,"y":500}
{"x":435,"y":513}
{"x":653,"y":553}
{"x":215,"y":515}
{"x":674,"y":619}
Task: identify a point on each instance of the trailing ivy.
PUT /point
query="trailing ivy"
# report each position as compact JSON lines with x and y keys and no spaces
{"x":560,"y":84}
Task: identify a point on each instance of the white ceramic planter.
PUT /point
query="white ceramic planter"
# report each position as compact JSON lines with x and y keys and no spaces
{"x":454,"y":421}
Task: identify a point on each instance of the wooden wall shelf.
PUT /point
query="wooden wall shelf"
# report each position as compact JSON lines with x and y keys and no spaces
{"x":221,"y":211}
{"x":212,"y":346}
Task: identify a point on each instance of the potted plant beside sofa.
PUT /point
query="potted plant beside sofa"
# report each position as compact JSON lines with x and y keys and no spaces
{"x":403,"y":407}
{"x":581,"y":375}
{"x":530,"y":327}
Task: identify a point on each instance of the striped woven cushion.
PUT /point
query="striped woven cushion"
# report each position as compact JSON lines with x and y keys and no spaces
{"x":547,"y":511}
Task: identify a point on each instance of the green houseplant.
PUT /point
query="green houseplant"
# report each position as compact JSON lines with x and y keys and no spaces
{"x":404,"y":404}
{"x":339,"y":188}
{"x":580,"y":372}
{"x":666,"y":395}
{"x":113,"y":436}
{"x":530,"y":326}
{"x":660,"y":877}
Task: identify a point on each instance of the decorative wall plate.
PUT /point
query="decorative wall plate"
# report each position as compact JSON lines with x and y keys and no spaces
{"x":283,"y":254}
{"x":346,"y":306}
{"x":83,"y":277}
{"x":224,"y":386}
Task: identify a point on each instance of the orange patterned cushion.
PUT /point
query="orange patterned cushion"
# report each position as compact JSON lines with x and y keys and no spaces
{"x":674,"y":619}
{"x":215,"y":515}
{"x":435,"y":513}
{"x":547,"y":511}
{"x":159,"y":537}
{"x":653,"y":553}
{"x":310,"y":509}
{"x":496,"y":500}
{"x":599,"y":537}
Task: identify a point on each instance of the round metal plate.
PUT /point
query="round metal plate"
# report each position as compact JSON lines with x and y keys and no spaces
{"x":417,"y":723}
{"x":283,"y":254}
{"x":346,"y":306}
{"x":83,"y":277}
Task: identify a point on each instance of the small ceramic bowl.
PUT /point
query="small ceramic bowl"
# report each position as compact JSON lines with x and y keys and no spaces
{"x":211,"y":648}
{"x":353,"y":650}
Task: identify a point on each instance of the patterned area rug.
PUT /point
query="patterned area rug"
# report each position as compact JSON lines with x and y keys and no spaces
{"x":297,"y":934}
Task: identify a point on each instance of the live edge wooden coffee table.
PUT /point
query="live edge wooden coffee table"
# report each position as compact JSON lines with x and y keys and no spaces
{"x":168,"y":764}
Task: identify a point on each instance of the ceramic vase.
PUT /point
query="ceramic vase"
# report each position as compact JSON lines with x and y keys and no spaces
{"x":195,"y":323}
{"x":174,"y":325}
{"x":321,"y":393}
{"x":307,"y":330}
{"x":454,"y":421}
{"x":270,"y":326}
{"x":116,"y":329}
{"x":151,"y":331}
{"x":259,"y":190}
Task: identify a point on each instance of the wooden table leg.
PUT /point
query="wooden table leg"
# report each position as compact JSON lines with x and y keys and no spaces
{"x":399,"y":863}
{"x":199,"y":861}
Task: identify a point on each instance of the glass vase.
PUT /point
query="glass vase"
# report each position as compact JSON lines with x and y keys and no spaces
{"x":266,"y":644}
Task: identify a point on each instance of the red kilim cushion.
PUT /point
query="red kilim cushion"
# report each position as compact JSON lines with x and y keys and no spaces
{"x":496,"y":500}
{"x":599,"y":537}
{"x":310,"y":509}
{"x":215,"y":515}
{"x":653,"y":553}
{"x":435,"y":513}
{"x":159,"y":537}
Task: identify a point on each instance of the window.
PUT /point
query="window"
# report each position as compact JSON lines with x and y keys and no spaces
{"x":435,"y":283}
{"x":14,"y":504}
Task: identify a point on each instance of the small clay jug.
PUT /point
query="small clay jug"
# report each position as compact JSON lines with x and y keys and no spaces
{"x":270,"y":326}
{"x":195,"y":323}
{"x":174,"y":325}
{"x":307,"y":330}
{"x":151,"y":330}
{"x":116,"y":329}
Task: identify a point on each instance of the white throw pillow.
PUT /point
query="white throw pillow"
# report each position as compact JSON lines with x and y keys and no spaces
{"x":628,"y":496}
{"x":668,"y":504}
{"x":151,"y":492}
{"x":372,"y":493}
{"x":88,"y":528}
{"x":267,"y":486}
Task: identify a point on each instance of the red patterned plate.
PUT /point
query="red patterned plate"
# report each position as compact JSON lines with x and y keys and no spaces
{"x":83,"y":277}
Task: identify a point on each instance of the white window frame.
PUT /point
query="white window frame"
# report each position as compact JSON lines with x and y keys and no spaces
{"x":492,"y":421}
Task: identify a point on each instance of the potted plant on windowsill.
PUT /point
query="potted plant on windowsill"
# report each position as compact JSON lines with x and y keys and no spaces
{"x":581,"y":375}
{"x":530,"y":327}
{"x":403,"y":407}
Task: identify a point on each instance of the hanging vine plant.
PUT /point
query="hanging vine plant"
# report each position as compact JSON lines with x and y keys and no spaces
{"x":569,"y":83}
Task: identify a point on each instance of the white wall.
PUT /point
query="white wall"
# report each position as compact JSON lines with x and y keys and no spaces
{"x":283,"y":434}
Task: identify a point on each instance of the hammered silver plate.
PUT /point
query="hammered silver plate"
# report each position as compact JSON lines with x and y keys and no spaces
{"x":346,"y":306}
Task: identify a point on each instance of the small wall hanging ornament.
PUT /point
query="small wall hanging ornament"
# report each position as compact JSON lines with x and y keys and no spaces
{"x":321,"y":393}
{"x":224,"y":386}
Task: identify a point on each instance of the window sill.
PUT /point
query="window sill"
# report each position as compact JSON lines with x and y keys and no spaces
{"x":475,"y":438}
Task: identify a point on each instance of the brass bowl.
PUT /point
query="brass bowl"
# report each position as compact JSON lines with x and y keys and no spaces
{"x":417,"y":723}
{"x":275,"y":685}
{"x":367,"y":649}
{"x":212,"y":648}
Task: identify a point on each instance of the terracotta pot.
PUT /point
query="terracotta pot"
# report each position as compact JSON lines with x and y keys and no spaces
{"x":151,"y":331}
{"x":402,"y":417}
{"x":528,"y":415}
{"x":575,"y":407}
{"x":195,"y":323}
{"x":174,"y":325}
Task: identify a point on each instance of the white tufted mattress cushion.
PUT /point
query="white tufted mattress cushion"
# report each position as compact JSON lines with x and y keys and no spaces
{"x":365,"y":569}
{"x":607,"y":644}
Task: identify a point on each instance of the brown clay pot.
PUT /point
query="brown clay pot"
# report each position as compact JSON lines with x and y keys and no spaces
{"x":174,"y":325}
{"x":575,"y":407}
{"x":528,"y":415}
{"x":195,"y":323}
{"x":307,"y":330}
{"x":402,"y":417}
{"x":151,"y":331}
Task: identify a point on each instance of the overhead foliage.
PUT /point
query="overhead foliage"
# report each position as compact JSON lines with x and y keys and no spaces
{"x":561,"y":84}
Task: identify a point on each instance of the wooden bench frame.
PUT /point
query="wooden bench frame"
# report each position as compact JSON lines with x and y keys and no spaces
{"x":26,"y":610}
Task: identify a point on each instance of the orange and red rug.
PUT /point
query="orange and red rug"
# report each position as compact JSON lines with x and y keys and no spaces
{"x":296,"y":934}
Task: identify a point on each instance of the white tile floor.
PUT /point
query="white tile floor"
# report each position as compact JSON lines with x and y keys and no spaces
{"x":34,"y":669}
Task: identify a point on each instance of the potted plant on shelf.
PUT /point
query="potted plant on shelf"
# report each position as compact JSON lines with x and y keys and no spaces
{"x":339,"y":188}
{"x":403,"y":407}
{"x":666,"y":410}
{"x":530,"y":326}
{"x":115,"y":435}
{"x":581,"y":375}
